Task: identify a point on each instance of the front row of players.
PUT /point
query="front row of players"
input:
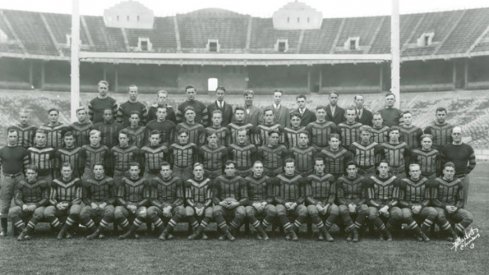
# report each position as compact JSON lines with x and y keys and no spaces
{"x":289,"y":199}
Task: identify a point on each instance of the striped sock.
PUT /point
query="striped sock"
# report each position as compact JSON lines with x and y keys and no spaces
{"x":124,"y":223}
{"x":19,"y":225}
{"x":158,"y":223}
{"x":104,"y":224}
{"x":256,"y":224}
{"x":90,"y":224}
{"x":460,"y":228}
{"x":137,"y":222}
{"x":172,"y":223}
{"x":70,"y":221}
{"x":265,"y":223}
{"x":55,"y":223}
{"x":203,"y":224}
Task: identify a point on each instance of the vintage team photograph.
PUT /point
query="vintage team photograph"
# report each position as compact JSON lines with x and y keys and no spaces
{"x":253,"y":137}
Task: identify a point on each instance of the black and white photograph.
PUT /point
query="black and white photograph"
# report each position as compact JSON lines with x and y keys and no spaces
{"x":255,"y":137}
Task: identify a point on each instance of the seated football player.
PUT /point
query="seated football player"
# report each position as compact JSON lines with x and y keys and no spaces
{"x":289,"y":200}
{"x":93,"y":153}
{"x":448,"y":200}
{"x":81,"y":128}
{"x":196,"y":131}
{"x":238,"y":124}
{"x":153,"y":154}
{"x":321,"y":129}
{"x":350,"y":129}
{"x":65,"y":200}
{"x":292,"y":133}
{"x":396,"y":152}
{"x":69,"y":153}
{"x":304,"y":155}
{"x":414,"y":200}
{"x":352,"y":200}
{"x":272,"y":154}
{"x":217,"y":128}
{"x":408,"y":132}
{"x":428,"y":158}
{"x":213,"y":156}
{"x":260,"y":212}
{"x":335,"y":156}
{"x":42,"y":156}
{"x":30,"y":199}
{"x":121,"y":155}
{"x":382,"y":201}
{"x":98,"y":195}
{"x":261,"y":136}
{"x":182,"y":155}
{"x":366,"y":153}
{"x":167,"y":197}
{"x":243,"y":153}
{"x":135,"y":131}
{"x":163,"y":125}
{"x":132,"y":199}
{"x":198,"y":200}
{"x":230,"y":197}
{"x":379,"y":130}
{"x":320,"y":192}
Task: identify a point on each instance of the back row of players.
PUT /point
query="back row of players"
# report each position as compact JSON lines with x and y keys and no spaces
{"x":84,"y":144}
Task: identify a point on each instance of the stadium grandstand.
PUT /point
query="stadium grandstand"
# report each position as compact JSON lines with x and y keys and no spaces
{"x":440,"y":51}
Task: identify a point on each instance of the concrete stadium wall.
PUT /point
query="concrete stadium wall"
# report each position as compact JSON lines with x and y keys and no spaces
{"x":232,"y":77}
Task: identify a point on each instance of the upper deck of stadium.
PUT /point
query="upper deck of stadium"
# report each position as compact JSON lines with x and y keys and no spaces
{"x":453,"y":34}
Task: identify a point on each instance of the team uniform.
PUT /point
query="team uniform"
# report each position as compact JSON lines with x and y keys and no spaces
{"x":380,"y":135}
{"x":352,"y":191}
{"x":349,"y":133}
{"x":261,"y":136}
{"x":410,"y":135}
{"x":170,"y":113}
{"x":54,"y":134}
{"x":234,"y":127}
{"x":321,"y":190}
{"x":44,"y":159}
{"x":260,"y":191}
{"x":153,"y":157}
{"x":97,"y":106}
{"x":100,"y":192}
{"x":166,"y":129}
{"x":182,"y":157}
{"x":71,"y":156}
{"x":335,"y":161}
{"x":398,"y":156}
{"x":81,"y":132}
{"x":366,"y":156}
{"x":290,"y":189}
{"x":229,"y":188}
{"x":272,"y":158}
{"x":199,"y":108}
{"x":128,"y":107}
{"x":445,"y":193}
{"x":29,"y":193}
{"x":429,"y":161}
{"x":292,"y":136}
{"x":222,"y":133}
{"x":137,"y":136}
{"x":244,"y":156}
{"x":167,"y":197}
{"x":91,"y":155}
{"x":70,"y":192}
{"x":441,"y":132}
{"x":26,"y":134}
{"x":319,"y":132}
{"x":304,"y":159}
{"x":109,"y":132}
{"x":132,"y":192}
{"x":120,"y":159}
{"x":213,"y":159}
{"x":198,"y":194}
{"x":196,"y":132}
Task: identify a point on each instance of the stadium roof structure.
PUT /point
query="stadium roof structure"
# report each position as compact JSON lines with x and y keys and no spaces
{"x":246,"y":40}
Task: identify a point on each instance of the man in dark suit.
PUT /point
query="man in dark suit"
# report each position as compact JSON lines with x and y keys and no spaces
{"x":307,"y":116}
{"x":334,"y":112}
{"x":281,"y":113}
{"x":364,"y":116}
{"x":220,"y":104}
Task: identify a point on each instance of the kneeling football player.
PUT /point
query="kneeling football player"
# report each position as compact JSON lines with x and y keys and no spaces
{"x":99,"y":198}
{"x":230,"y":197}
{"x":133,"y":197}
{"x":198,"y":196}
{"x":352,"y":198}
{"x":65,"y":199}
{"x":166,"y":208}
{"x":289,"y":199}
{"x":30,"y":198}
{"x":260,"y":195}
{"x":320,"y":196}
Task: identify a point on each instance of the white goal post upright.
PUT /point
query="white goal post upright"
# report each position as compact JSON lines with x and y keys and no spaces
{"x":396,"y":55}
{"x":75,"y":62}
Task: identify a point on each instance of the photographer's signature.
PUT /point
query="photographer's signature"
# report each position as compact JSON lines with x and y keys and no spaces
{"x":467,"y":240}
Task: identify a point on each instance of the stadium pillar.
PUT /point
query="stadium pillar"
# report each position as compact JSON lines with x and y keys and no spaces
{"x":454,"y":74}
{"x":395,"y":51}
{"x":320,"y":77}
{"x":43,"y":75}
{"x":309,"y":79}
{"x":116,"y":78}
{"x":31,"y":73}
{"x":381,"y":77}
{"x":466,"y":73}
{"x":75,"y":61}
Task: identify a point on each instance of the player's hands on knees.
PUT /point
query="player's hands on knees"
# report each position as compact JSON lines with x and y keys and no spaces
{"x":102,"y":205}
{"x":94,"y":206}
{"x":133,"y":208}
{"x":352,"y":208}
{"x":451,"y":209}
{"x":416,"y":209}
{"x":257,"y":206}
{"x":384,"y":211}
{"x":167,"y":211}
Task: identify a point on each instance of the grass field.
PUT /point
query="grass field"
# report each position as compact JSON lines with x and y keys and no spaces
{"x":45,"y":255}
